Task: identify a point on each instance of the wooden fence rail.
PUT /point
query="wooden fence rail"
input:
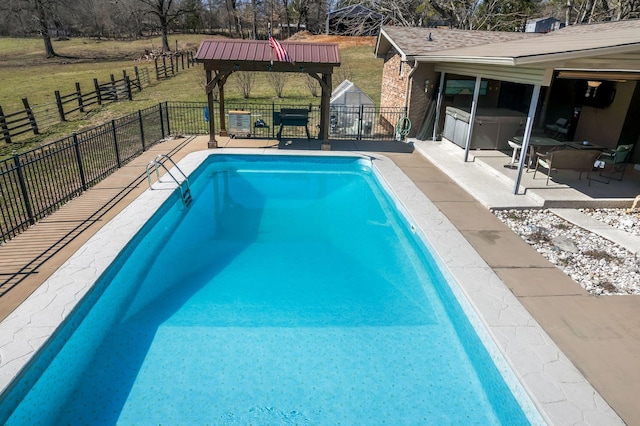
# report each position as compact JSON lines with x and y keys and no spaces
{"x":36,"y":118}
{"x":167,"y":68}
{"x":18,"y":123}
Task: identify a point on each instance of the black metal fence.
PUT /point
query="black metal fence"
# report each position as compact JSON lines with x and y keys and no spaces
{"x":35,"y":183}
{"x":357,"y":122}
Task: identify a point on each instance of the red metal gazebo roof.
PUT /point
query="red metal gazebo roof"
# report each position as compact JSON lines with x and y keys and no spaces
{"x":309,"y":55}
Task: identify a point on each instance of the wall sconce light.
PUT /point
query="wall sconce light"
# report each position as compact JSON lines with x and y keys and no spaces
{"x":592,"y":88}
{"x":426,"y":86}
{"x":301,"y":69}
{"x":236,"y":67}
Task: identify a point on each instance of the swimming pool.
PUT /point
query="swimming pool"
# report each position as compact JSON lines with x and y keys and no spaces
{"x":356,"y":346}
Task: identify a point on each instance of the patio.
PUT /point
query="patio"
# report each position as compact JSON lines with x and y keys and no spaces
{"x":565,"y":189}
{"x":599,"y":334}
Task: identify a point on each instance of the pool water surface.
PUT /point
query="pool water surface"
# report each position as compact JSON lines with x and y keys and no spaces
{"x":291,"y":291}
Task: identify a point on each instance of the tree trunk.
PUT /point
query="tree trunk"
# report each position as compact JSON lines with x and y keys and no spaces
{"x":43,"y":28}
{"x":287,"y":18}
{"x":164,"y":27}
{"x":254,"y":16}
{"x":567,"y":16}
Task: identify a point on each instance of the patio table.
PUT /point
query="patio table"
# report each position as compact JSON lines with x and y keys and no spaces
{"x":535,"y":142}
{"x":582,"y":145}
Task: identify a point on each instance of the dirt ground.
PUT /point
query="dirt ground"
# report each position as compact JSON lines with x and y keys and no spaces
{"x":343,"y":41}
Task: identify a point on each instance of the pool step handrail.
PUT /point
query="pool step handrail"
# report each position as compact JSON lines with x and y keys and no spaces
{"x":185,"y":191}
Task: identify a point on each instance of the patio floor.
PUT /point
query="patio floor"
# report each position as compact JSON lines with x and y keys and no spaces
{"x":601,"y":335}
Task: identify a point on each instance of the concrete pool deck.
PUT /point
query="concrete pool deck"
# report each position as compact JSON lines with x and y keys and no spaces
{"x":600,"y":335}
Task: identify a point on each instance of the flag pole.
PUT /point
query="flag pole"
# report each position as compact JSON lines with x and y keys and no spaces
{"x":270,"y":49}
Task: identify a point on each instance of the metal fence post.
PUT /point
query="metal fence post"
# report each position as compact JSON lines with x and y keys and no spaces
{"x":361,"y":110}
{"x":161,"y":120}
{"x":115,"y":141}
{"x":144,"y":148}
{"x":23,"y":189}
{"x":76,"y":146}
{"x":32,"y":118}
{"x":273,"y":124}
{"x":166,"y":113}
{"x":60,"y":106}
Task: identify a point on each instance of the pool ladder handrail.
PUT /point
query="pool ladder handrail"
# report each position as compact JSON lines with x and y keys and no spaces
{"x":185,"y":192}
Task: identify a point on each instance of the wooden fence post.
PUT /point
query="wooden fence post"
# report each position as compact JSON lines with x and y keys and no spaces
{"x":164,"y":66}
{"x":135,"y":70}
{"x":157,"y":74}
{"x":5,"y":129}
{"x":60,"y":106}
{"x":114,"y":88}
{"x":79,"y":97}
{"x":32,"y":118}
{"x":173,"y":71}
{"x":127,"y":83}
{"x":98,"y":93}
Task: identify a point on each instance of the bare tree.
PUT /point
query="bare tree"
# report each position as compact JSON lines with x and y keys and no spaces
{"x":313,"y":86}
{"x":245,"y":81}
{"x":277,"y":80}
{"x":167,"y":11}
{"x":42,"y":8}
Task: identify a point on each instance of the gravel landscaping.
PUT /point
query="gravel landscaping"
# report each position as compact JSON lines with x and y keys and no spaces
{"x":598,"y":265}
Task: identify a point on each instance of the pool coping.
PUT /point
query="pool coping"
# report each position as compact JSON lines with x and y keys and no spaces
{"x":558,"y":389}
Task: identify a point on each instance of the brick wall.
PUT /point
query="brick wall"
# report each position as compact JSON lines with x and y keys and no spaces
{"x":394,"y":82}
{"x":394,"y":86}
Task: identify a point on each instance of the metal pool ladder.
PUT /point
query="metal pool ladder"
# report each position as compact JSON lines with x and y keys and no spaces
{"x":185,"y":190}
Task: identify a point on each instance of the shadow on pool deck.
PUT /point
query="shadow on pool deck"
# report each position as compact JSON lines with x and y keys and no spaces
{"x":601,"y":335}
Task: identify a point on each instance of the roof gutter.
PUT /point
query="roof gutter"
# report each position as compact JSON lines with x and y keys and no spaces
{"x":529,"y":59}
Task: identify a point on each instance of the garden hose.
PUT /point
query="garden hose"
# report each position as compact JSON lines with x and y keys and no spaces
{"x":402,"y":127}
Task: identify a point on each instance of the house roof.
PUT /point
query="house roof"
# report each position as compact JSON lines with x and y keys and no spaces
{"x":411,"y":42}
{"x":610,"y":49}
{"x":257,"y":55}
{"x":617,"y":44}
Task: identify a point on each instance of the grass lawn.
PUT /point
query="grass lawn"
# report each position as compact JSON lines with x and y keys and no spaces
{"x":25,"y":72}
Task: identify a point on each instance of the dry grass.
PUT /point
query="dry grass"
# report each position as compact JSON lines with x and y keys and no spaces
{"x":25,"y":72}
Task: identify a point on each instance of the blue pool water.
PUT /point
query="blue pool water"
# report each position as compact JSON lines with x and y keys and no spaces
{"x":290,"y":292}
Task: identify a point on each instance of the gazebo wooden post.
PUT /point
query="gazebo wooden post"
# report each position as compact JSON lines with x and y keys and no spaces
{"x":213,"y":143}
{"x":325,"y":103}
{"x":223,"y":123}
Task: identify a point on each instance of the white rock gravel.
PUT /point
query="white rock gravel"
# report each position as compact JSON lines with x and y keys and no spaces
{"x":598,"y":265}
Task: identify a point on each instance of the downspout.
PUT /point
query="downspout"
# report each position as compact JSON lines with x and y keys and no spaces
{"x":406,"y":90}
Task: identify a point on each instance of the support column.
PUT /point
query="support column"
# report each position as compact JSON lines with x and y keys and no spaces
{"x":213,"y":143}
{"x":436,"y":120}
{"x":325,"y":112}
{"x":527,"y":135}
{"x":223,"y":122}
{"x":472,"y":118}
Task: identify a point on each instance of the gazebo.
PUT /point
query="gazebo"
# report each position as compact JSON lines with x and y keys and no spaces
{"x":223,"y":57}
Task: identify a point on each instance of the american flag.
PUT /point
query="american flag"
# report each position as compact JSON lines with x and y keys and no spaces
{"x":281,"y":53}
